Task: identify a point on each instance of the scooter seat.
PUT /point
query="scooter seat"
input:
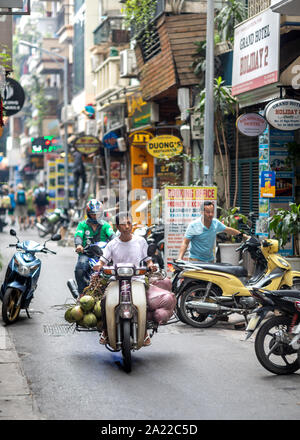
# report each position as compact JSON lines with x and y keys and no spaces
{"x":238,"y":271}
{"x":289,"y":293}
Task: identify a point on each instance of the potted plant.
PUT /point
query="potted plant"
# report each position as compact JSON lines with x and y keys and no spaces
{"x":232,"y":218}
{"x":285,"y":224}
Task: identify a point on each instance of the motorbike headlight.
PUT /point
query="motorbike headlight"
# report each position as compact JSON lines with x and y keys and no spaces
{"x":125,"y":271}
{"x":23,"y":270}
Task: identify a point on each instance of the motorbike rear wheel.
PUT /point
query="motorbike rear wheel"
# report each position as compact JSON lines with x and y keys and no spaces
{"x":10,"y":310}
{"x":126,"y":345}
{"x":191,"y":316}
{"x":272,"y":346}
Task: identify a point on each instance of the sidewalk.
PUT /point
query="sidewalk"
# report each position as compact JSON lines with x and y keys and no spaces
{"x":16,"y":400}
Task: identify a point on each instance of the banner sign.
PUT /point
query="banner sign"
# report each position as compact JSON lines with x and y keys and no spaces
{"x":256,"y":52}
{"x":284,"y":114}
{"x":183,"y":204}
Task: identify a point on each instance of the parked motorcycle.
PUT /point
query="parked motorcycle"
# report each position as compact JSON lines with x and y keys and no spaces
{"x":51,"y":223}
{"x":277,"y":342}
{"x":208,"y":292}
{"x":94,"y":252}
{"x":126,"y":309}
{"x":153,"y":234}
{"x":21,"y":277}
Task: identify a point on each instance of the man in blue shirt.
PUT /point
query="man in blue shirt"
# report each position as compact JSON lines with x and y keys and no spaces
{"x":201,"y":235}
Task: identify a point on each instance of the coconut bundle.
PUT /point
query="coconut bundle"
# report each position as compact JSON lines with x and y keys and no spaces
{"x":87,"y":313}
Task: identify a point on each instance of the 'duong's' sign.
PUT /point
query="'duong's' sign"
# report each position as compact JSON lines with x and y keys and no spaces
{"x":283,"y":114}
{"x":164,"y":146}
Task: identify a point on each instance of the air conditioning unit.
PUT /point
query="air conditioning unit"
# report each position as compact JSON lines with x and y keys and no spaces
{"x":128,"y":63}
{"x":68,"y":115}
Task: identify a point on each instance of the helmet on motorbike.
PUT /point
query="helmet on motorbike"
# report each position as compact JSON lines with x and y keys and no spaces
{"x":94,"y":207}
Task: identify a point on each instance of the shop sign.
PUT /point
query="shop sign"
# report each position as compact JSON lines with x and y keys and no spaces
{"x":283,"y":114}
{"x":13,"y":97}
{"x":256,"y":52}
{"x":110,"y":140}
{"x":139,"y":111}
{"x":164,"y":146}
{"x":87,"y":144}
{"x":251,"y":124}
{"x":140,"y":138}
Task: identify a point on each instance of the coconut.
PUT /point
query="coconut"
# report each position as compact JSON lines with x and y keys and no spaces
{"x":77,"y":313}
{"x":68,"y":315}
{"x":87,"y":303}
{"x":97,"y":309}
{"x":89,"y":320}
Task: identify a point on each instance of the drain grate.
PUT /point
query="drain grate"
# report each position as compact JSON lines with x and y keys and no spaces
{"x":58,"y":329}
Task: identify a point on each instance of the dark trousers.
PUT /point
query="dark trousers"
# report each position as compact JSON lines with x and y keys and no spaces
{"x":79,"y":175}
{"x":82,"y":272}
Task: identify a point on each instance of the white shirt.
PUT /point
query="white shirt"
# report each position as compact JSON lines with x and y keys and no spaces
{"x":132,"y":251}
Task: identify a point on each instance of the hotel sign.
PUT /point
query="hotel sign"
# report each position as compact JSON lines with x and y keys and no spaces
{"x":256,"y":52}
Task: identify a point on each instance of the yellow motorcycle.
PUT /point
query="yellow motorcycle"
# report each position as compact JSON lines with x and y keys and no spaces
{"x":209,"y":292}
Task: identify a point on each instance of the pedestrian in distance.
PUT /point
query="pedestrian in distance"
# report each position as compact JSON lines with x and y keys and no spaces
{"x":21,"y":208}
{"x":41,"y":201}
{"x":78,"y":173}
{"x":201,"y":235}
{"x":30,"y":209}
{"x":11,"y":209}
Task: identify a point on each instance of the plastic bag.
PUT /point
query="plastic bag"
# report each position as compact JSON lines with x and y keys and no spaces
{"x":161,"y":304}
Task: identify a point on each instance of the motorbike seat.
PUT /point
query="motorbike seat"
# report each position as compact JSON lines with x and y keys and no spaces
{"x":288,"y":293}
{"x":238,"y":271}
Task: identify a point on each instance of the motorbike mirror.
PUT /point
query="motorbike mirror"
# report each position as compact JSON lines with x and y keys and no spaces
{"x":56,"y":237}
{"x":13,"y":232}
{"x":151,"y":249}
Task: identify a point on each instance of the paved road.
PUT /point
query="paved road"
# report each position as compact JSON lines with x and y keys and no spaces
{"x":187,"y":374}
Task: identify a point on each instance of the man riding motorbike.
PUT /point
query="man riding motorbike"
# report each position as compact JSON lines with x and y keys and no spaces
{"x":89,"y":231}
{"x":132,"y":248}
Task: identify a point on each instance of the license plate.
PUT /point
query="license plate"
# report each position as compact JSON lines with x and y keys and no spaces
{"x":252,"y":323}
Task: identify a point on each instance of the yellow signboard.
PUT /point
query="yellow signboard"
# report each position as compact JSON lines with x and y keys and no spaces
{"x":164,"y":146}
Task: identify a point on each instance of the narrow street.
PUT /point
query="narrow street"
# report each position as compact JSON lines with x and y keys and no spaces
{"x":186,"y":374}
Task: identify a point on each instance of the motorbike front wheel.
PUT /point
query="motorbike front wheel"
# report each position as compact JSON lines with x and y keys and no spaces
{"x":10,"y":307}
{"x":126,"y":345}
{"x":272,"y":346}
{"x":191,"y":316}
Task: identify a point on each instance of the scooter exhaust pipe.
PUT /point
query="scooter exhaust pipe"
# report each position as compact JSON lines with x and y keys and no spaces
{"x":203,"y":307}
{"x":41,"y":227}
{"x":73,"y":288}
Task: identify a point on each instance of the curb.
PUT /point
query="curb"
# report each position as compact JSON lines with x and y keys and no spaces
{"x":16,"y":399}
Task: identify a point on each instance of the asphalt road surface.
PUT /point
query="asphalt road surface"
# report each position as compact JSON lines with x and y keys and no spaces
{"x":186,"y":374}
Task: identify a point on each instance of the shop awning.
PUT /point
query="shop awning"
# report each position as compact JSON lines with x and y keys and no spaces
{"x":286,"y":7}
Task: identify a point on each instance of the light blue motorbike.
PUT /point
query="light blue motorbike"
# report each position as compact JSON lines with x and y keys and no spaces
{"x":21,"y":277}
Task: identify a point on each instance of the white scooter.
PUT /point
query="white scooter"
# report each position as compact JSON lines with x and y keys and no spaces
{"x":126,"y":309}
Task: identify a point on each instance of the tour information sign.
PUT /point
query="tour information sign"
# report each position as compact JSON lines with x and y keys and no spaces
{"x":183,"y":204}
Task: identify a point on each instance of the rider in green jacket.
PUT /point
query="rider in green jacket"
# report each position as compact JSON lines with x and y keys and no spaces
{"x":89,"y":231}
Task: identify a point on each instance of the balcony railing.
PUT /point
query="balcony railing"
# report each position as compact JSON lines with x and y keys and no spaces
{"x":111,"y":29}
{"x":108,"y":76}
{"x":256,"y":6}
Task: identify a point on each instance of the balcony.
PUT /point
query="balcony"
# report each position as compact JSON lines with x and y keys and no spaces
{"x":51,"y":64}
{"x":111,"y":30}
{"x":64,"y":28}
{"x":107,"y":77}
{"x":257,"y":6}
